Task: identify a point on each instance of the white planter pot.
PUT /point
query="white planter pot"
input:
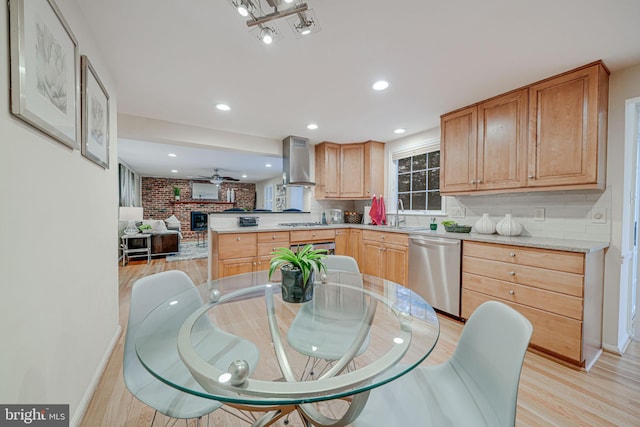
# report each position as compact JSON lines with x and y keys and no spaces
{"x":508,"y":226}
{"x":484,"y":225}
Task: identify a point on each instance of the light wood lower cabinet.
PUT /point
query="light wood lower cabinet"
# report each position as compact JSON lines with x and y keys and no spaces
{"x":355,"y":245}
{"x":559,"y":292}
{"x":342,"y":241}
{"x":238,"y":253}
{"x":386,"y":255}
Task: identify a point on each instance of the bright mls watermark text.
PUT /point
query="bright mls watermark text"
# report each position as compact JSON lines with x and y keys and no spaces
{"x":34,"y":415}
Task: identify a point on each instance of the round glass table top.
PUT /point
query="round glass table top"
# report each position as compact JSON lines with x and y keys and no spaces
{"x":235,"y":340}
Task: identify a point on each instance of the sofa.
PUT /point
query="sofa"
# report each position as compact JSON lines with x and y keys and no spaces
{"x":165,"y":235}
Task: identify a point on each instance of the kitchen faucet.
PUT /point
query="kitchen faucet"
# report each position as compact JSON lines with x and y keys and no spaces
{"x":398,"y":220}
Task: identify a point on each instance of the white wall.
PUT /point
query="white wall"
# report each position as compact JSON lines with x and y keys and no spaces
{"x":58,"y":264}
{"x":623,"y":85}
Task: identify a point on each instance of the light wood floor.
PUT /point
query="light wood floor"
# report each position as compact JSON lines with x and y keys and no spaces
{"x":550,"y":394}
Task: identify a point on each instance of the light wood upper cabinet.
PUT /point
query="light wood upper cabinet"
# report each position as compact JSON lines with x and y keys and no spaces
{"x":550,"y":135}
{"x":349,"y":171}
{"x":327,"y":171}
{"x":458,"y":144}
{"x":502,"y":142}
{"x":567,"y":129}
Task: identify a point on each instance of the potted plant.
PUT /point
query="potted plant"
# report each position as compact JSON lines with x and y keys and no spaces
{"x":298,"y":271}
{"x":176,"y":192}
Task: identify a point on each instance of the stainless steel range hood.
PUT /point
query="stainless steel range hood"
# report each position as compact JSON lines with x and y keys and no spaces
{"x":296,"y":161}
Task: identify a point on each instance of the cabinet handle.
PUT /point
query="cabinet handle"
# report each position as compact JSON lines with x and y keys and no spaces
{"x":473,"y":181}
{"x":512,"y":292}
{"x":382,"y":237}
{"x":512,"y":273}
{"x":273,"y":237}
{"x":238,"y":238}
{"x":531,"y":177}
{"x":313,"y":234}
{"x":479,"y":181}
{"x":512,"y":254}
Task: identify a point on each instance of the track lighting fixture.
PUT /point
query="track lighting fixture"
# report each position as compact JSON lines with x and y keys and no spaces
{"x":300,"y":18}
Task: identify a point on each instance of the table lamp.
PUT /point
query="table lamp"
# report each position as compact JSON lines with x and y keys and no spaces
{"x":131,"y":214}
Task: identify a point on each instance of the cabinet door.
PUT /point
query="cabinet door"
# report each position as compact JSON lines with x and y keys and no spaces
{"x":458,"y":150}
{"x":352,"y":168}
{"x":237,"y":245}
{"x":567,"y":129}
{"x":236,"y":266}
{"x":372,"y":254}
{"x":355,"y":246}
{"x":373,"y":168}
{"x":327,"y":171}
{"x":395,"y":263}
{"x":502,"y":142}
{"x":342,"y":241}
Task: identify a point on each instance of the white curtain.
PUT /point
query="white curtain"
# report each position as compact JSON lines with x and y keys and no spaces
{"x":129,"y":187}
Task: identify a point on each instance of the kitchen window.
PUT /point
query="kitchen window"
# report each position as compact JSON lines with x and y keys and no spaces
{"x":417,"y":179}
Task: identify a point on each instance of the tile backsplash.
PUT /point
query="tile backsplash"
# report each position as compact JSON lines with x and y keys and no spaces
{"x":581,"y":215}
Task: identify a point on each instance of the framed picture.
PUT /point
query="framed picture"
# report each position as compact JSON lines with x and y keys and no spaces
{"x":95,"y":115}
{"x":281,"y":203}
{"x":281,"y":190}
{"x":45,"y":88}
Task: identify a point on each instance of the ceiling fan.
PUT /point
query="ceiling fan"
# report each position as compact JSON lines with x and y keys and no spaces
{"x":217,"y":179}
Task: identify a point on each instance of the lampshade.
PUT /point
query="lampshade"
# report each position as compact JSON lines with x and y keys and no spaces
{"x":130,"y":213}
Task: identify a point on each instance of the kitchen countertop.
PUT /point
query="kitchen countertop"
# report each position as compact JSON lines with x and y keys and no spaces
{"x":569,"y":245}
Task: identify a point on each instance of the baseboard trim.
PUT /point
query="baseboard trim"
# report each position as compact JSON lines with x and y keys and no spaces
{"x":78,"y":415}
{"x":617,"y":350}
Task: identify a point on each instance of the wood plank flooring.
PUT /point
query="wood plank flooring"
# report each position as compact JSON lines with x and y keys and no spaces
{"x":550,"y":394}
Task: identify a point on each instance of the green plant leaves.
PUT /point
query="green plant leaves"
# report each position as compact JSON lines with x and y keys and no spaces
{"x":306,"y":260}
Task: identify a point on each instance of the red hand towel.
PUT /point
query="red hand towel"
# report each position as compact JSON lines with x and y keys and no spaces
{"x":382,"y":212}
{"x":373,"y":213}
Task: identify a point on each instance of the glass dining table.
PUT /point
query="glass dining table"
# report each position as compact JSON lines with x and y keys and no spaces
{"x":236,"y":341}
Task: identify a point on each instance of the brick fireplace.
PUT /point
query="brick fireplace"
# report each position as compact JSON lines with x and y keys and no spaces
{"x":159,"y":202}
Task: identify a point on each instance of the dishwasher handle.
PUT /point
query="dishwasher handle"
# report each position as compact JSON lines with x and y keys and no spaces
{"x":422,"y":241}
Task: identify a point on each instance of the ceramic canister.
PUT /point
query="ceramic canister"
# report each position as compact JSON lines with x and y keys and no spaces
{"x":508,"y":226}
{"x":484,"y":225}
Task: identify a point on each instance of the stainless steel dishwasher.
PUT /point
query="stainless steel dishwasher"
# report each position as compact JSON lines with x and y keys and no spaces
{"x":434,"y":271}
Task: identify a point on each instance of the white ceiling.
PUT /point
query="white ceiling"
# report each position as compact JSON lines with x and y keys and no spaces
{"x":175,"y":60}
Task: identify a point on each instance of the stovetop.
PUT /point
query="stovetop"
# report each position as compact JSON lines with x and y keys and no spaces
{"x":301,"y":224}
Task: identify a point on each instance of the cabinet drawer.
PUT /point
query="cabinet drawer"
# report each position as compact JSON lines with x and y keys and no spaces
{"x":570,"y":262}
{"x":564,"y":305}
{"x":239,"y":245}
{"x":557,"y":281}
{"x":274,"y":236}
{"x":307,"y":236}
{"x":557,"y":334}
{"x":384,"y":237}
{"x":265,"y":249}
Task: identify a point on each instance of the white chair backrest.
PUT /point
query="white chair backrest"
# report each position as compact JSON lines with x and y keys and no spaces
{"x":490,"y":354}
{"x":341,"y":263}
{"x":147,"y":293}
{"x":335,"y":302}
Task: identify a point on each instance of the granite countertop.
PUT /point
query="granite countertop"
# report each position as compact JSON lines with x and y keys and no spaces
{"x":569,"y":245}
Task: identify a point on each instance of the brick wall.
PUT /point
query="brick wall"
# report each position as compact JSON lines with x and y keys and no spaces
{"x":159,"y":202}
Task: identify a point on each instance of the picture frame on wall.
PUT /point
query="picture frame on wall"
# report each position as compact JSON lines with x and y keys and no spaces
{"x":95,"y":115}
{"x":45,"y":86}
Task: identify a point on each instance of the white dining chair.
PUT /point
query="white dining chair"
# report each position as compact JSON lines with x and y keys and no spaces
{"x":325,"y":327}
{"x":148,"y":293}
{"x":477,"y":386}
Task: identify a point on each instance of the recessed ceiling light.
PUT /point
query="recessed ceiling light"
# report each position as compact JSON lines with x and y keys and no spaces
{"x":400,"y":130}
{"x":172,"y":155}
{"x":312,"y":126}
{"x":268,"y":165}
{"x":244,"y":176}
{"x":174,"y":171}
{"x":223,"y":107}
{"x":380,"y":85}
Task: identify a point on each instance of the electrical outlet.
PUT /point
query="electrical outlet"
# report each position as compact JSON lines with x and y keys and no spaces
{"x":538,"y":214}
{"x":599,"y":215}
{"x":457,"y":212}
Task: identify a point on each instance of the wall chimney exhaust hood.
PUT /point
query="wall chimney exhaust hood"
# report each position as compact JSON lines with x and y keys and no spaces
{"x":296,"y":161}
